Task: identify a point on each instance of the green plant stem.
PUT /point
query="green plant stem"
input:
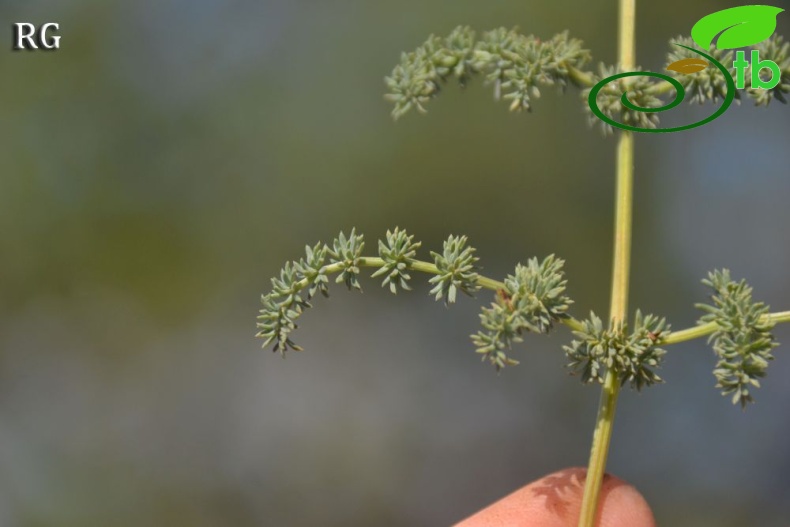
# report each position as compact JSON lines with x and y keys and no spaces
{"x":582,"y":79}
{"x":706,"y":329}
{"x":622,"y":232}
{"x":429,"y":268}
{"x":620,"y":274}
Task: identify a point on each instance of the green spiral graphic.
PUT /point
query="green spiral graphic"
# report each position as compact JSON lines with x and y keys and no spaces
{"x":679,"y":95}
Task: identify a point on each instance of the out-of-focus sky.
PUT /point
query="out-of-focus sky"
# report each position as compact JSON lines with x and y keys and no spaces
{"x":160,"y":167}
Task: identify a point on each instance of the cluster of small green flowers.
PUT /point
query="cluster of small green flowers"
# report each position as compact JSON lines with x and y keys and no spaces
{"x":398,"y":253}
{"x":346,"y":253}
{"x":631,"y":356}
{"x":708,"y":84}
{"x":638,"y":89}
{"x":532,"y":300}
{"x":742,"y":340}
{"x":284,"y":304}
{"x":457,"y":270}
{"x":514,"y":63}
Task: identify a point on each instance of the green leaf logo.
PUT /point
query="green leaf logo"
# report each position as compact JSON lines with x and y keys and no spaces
{"x":739,"y":26}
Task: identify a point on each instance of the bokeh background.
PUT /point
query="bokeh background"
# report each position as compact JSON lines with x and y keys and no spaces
{"x":159,"y":168}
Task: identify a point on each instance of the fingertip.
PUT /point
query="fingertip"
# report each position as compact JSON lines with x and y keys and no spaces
{"x":623,"y":505}
{"x":555,"y":501}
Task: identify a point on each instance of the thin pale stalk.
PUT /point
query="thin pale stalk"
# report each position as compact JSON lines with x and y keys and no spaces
{"x":620,"y":274}
{"x":706,"y":329}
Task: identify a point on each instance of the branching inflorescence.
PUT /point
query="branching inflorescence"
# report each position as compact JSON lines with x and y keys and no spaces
{"x":742,"y":340}
{"x":517,"y":65}
{"x":514,"y":63}
{"x":531,"y":300}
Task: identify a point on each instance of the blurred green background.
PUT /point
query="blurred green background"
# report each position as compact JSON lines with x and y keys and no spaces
{"x":160,"y":167}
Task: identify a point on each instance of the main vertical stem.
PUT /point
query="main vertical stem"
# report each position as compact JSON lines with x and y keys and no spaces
{"x":620,"y":273}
